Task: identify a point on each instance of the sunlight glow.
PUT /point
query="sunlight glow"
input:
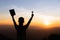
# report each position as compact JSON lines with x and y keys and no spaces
{"x":46,"y":19}
{"x":46,"y":22}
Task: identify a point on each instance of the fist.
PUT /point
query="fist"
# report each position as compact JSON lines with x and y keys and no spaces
{"x":32,"y":13}
{"x":12,"y":15}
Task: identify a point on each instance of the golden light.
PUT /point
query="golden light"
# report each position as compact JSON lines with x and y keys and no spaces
{"x":46,"y":22}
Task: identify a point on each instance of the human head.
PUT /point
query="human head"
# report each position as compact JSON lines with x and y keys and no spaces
{"x":21,"y":20}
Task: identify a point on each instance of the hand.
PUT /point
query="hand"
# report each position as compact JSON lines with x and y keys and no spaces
{"x":12,"y":15}
{"x":32,"y":14}
{"x":32,"y":11}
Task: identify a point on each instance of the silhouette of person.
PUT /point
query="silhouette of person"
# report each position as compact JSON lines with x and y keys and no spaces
{"x":21,"y":29}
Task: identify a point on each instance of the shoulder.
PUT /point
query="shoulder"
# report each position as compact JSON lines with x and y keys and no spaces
{"x":16,"y":25}
{"x":25,"y":25}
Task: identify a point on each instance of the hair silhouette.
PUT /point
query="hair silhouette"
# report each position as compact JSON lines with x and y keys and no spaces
{"x":21,"y":29}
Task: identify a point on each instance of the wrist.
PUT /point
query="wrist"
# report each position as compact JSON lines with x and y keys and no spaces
{"x":12,"y":16}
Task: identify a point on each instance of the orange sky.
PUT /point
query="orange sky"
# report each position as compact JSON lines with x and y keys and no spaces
{"x":42,"y":21}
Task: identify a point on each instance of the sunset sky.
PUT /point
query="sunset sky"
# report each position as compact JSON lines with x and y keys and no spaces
{"x":46,"y":12}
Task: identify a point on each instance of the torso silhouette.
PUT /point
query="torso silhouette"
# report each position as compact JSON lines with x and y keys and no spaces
{"x":21,"y":32}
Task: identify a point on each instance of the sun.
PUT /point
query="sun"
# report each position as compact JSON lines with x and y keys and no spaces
{"x":46,"y":22}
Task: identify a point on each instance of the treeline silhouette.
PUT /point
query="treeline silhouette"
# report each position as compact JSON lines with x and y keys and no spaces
{"x":2,"y":37}
{"x":52,"y":37}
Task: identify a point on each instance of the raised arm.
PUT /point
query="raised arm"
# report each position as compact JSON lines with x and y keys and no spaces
{"x":30,"y":19}
{"x":12,"y":13}
{"x":14,"y":22}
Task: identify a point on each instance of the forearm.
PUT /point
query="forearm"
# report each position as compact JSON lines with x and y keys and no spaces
{"x":14,"y":21}
{"x":29,"y":21}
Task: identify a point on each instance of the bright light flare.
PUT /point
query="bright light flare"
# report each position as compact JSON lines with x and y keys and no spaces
{"x":46,"y":22}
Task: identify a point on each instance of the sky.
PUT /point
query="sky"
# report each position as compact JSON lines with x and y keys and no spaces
{"x":46,"y":12}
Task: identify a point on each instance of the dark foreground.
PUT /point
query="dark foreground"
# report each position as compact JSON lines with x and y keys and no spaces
{"x":32,"y":34}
